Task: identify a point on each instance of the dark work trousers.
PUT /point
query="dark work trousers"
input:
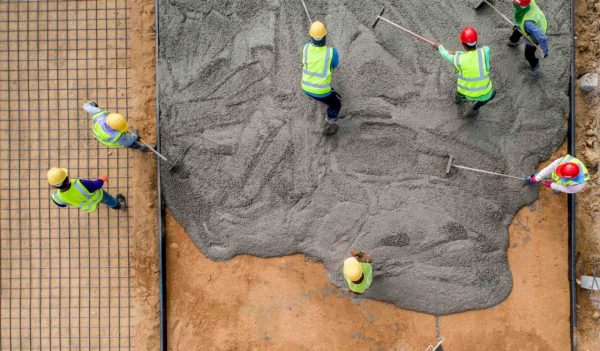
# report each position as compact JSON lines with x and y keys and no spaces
{"x":529,"y":50}
{"x":334,"y":101}
{"x":459,"y":98}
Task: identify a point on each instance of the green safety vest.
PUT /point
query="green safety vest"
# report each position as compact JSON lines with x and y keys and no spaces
{"x":79,"y":196}
{"x":316,"y":72}
{"x":473,"y":75}
{"x":561,"y":181}
{"x":102,"y":136}
{"x":360,"y":288}
{"x":535,"y":15}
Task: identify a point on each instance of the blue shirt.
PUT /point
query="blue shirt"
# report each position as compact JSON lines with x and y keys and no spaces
{"x":537,"y":35}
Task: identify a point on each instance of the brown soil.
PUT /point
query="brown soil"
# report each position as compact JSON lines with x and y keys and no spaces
{"x":588,"y":205}
{"x":144,"y":224}
{"x":251,"y":303}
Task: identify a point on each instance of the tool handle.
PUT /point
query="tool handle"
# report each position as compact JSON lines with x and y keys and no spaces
{"x":509,"y":21}
{"x":435,"y":45}
{"x":156,"y":152}
{"x":488,"y":172}
{"x":306,"y":10}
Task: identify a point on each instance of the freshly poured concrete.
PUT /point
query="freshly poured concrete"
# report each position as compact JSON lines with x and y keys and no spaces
{"x":273,"y":185}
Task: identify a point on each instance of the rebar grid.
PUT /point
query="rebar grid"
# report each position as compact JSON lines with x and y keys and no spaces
{"x":64,"y":274}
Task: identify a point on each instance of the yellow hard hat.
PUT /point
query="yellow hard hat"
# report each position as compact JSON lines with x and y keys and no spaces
{"x":317,"y":30}
{"x":352,"y":269}
{"x":57,"y":175}
{"x":117,"y":122}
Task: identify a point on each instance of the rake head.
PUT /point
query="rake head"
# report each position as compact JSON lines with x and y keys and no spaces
{"x":377,"y":19}
{"x":449,"y":165}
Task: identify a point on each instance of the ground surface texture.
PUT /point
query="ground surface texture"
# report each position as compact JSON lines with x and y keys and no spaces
{"x":275,"y":186}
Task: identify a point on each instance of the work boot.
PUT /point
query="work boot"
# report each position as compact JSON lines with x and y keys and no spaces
{"x":92,"y":103}
{"x":471,"y":113}
{"x":536,"y":71}
{"x":122,"y":202}
{"x":512,"y":43}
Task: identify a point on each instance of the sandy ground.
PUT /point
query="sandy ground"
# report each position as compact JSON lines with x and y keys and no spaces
{"x":588,"y":215}
{"x":288,"y":302}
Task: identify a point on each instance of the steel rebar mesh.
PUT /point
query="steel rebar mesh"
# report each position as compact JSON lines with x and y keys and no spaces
{"x":64,"y":274}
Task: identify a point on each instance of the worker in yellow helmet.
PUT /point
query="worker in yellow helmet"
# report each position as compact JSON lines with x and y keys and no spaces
{"x":358,"y":272}
{"x":112,"y":129}
{"x":83,"y":193}
{"x":318,"y":63}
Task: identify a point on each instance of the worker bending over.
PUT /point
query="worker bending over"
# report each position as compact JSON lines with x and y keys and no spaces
{"x":83,"y":193}
{"x":566,"y":174}
{"x":318,"y":63}
{"x":473,"y":71}
{"x":112,"y":129}
{"x":358,"y":272}
{"x":530,"y":23}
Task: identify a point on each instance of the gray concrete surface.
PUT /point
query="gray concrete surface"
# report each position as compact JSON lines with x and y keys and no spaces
{"x":229,"y":72}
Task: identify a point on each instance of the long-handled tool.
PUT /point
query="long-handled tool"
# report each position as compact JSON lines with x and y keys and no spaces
{"x":482,"y":2}
{"x":306,"y":10}
{"x":450,"y":165}
{"x":153,"y":150}
{"x":379,"y":17}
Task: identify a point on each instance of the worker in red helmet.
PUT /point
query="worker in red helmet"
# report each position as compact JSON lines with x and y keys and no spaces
{"x":473,"y":72}
{"x":531,"y":24}
{"x":566,"y":174}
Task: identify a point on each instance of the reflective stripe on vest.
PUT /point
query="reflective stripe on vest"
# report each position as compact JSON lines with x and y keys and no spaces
{"x":535,"y":15}
{"x":367,"y":279}
{"x":316,"y":71}
{"x":583,"y":172}
{"x":103,"y":132}
{"x":473,"y":78}
{"x":79,"y":196}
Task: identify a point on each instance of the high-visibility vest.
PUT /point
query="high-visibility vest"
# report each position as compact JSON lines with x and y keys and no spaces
{"x":360,"y":288}
{"x":316,"y":69}
{"x":582,"y":177}
{"x":79,"y":196}
{"x":103,"y":132}
{"x":473,"y":75}
{"x":535,"y":15}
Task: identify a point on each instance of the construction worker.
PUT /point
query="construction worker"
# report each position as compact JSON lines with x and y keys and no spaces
{"x":83,"y":193}
{"x":112,"y":129}
{"x":473,"y":69}
{"x":358,"y":272}
{"x":318,"y":62}
{"x":566,"y":174}
{"x":530,"y":23}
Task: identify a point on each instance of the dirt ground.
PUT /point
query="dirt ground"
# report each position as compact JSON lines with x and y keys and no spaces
{"x":288,"y":302}
{"x":588,"y":205}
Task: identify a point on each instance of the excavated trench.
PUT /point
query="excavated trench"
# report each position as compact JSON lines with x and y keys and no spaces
{"x":256,"y":176}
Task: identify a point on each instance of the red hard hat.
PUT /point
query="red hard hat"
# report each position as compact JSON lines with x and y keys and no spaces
{"x":521,"y":3}
{"x":469,"y":36}
{"x":568,"y":170}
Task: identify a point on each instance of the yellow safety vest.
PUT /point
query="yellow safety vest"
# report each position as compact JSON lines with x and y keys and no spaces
{"x":360,"y":288}
{"x":102,"y":135}
{"x":79,"y":196}
{"x":316,"y":72}
{"x":473,"y":75}
{"x":535,"y":15}
{"x":582,"y":172}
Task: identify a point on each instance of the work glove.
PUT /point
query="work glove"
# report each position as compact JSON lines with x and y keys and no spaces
{"x":104,"y":178}
{"x":539,"y":54}
{"x":547,"y":184}
{"x":531,"y":179}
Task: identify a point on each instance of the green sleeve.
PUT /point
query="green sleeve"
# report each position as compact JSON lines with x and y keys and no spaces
{"x":445,"y":54}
